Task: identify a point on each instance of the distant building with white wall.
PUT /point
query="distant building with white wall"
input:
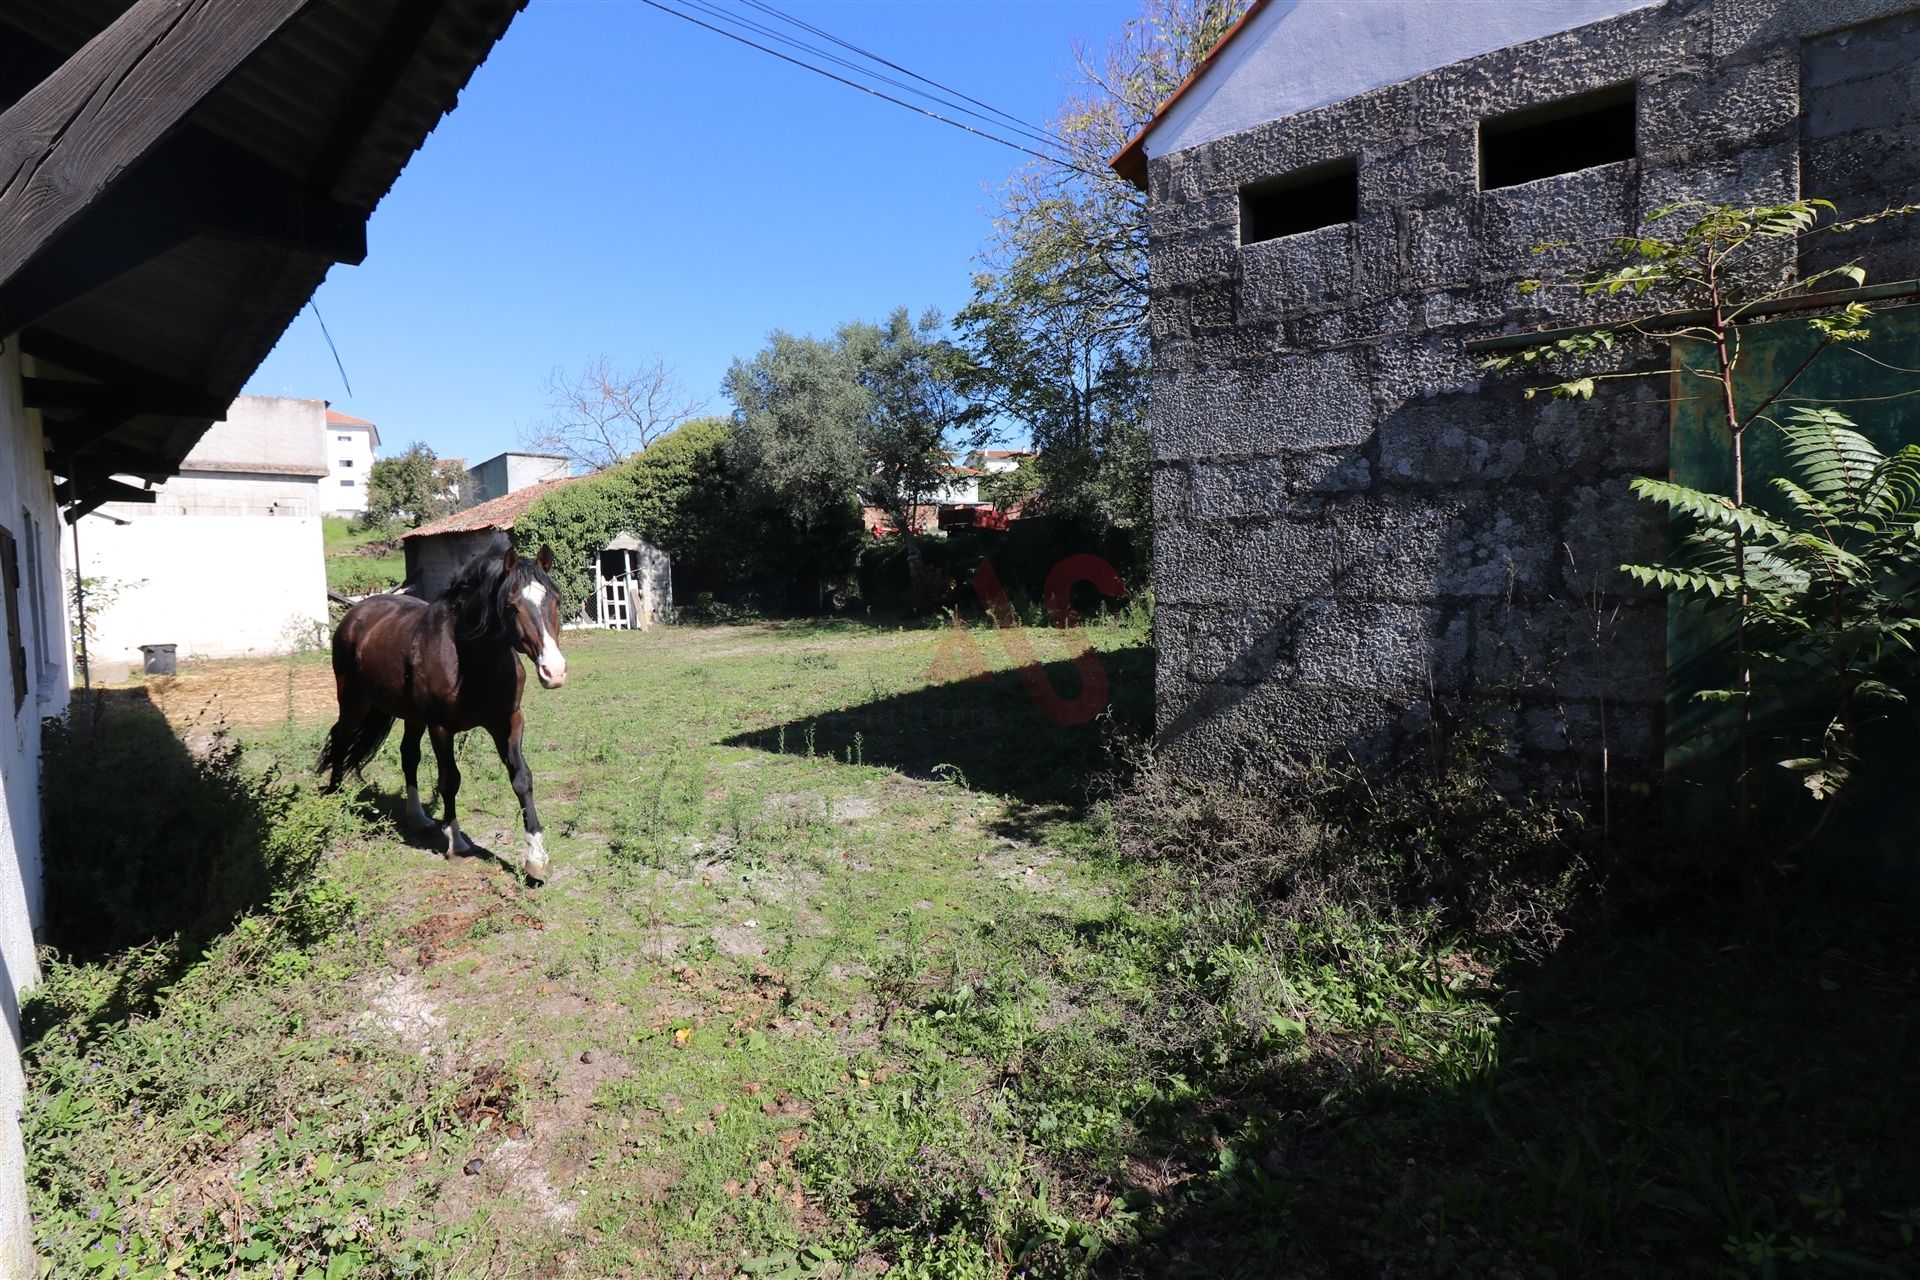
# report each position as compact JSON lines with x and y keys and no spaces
{"x":507,"y":473}
{"x":227,"y":561}
{"x":352,"y":445}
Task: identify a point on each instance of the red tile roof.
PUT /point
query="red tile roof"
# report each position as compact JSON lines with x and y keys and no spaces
{"x":335,"y":418}
{"x":497,"y":513}
{"x":1131,"y":163}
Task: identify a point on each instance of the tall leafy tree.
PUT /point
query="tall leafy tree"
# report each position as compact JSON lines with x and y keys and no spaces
{"x":1055,"y":334}
{"x":412,"y":488}
{"x":870,"y":412}
{"x":908,"y":434}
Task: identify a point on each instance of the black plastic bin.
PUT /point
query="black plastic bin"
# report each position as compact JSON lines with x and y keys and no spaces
{"x":157,"y":659}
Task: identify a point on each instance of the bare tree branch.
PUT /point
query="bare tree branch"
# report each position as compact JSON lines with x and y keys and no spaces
{"x":605,"y":412}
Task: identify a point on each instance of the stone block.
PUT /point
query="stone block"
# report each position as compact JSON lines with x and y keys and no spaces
{"x":1399,"y":650}
{"x":1457,"y":438}
{"x":1378,"y":268}
{"x":1274,"y":564}
{"x":1442,"y":246}
{"x":1361,"y":322}
{"x":1762,"y":175}
{"x":1438,"y":168}
{"x":1729,"y":108}
{"x":1423,"y":365}
{"x":1172,"y":493}
{"x":1575,"y":210}
{"x":1281,"y":276}
{"x":1250,"y":487}
{"x":1861,"y":52}
{"x":1314,"y":400}
{"x":1195,"y":259}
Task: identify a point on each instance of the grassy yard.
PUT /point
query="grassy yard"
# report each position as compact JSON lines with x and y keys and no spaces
{"x":840,"y":974}
{"x":359,"y":561}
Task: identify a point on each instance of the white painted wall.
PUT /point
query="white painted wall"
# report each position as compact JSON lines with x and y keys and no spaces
{"x":26,"y":503}
{"x":229,"y":560}
{"x":1300,"y":54}
{"x":214,"y":586}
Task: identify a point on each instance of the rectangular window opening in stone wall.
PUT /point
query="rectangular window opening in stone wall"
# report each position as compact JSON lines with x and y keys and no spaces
{"x":1321,"y":195}
{"x":1581,"y":132}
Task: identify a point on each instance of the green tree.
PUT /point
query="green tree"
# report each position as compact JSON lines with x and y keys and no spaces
{"x":412,"y":488}
{"x":1055,"y":335}
{"x":1818,"y":598}
{"x":869,"y":413}
{"x":908,"y":434}
{"x":798,"y":412}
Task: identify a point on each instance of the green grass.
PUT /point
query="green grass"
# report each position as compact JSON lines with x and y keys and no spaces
{"x":351,"y":569}
{"x":838,"y":969}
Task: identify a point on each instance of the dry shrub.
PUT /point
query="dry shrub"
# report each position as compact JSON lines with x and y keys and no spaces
{"x":1431,"y":838}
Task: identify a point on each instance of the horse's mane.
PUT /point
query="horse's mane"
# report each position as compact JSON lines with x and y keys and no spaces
{"x":481,"y":594}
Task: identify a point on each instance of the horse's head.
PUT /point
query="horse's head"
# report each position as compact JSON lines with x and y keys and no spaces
{"x":533,"y":606}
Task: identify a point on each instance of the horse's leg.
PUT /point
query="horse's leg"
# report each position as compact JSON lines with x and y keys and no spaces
{"x":410,"y":763}
{"x":354,"y":706}
{"x":507,"y":738}
{"x":449,"y":788}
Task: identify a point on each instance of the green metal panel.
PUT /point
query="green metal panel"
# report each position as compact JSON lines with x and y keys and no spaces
{"x":1877,"y":383}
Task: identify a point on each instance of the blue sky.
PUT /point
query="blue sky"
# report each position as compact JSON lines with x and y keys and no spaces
{"x":616,"y":180}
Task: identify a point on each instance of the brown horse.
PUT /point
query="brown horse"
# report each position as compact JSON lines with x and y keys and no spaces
{"x":445,"y":667}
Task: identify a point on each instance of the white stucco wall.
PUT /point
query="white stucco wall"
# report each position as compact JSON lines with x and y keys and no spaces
{"x":350,"y":455}
{"x":1300,"y":54}
{"x":214,"y":586}
{"x":26,"y":499}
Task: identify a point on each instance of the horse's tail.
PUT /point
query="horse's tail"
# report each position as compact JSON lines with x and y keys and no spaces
{"x":346,"y":750}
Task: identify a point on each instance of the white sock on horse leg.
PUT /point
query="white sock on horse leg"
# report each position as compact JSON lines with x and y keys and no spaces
{"x":457,"y":843}
{"x":536,"y":864}
{"x":415,"y":814}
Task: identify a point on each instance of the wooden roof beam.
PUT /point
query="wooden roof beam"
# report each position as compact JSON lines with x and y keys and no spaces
{"x":64,"y":144}
{"x":103,"y":366}
{"x":95,"y":397}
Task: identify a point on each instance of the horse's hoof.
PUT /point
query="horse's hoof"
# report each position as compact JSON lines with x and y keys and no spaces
{"x":536,"y":865}
{"x":458,"y":846}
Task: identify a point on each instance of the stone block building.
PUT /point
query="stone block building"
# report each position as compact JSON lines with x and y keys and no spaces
{"x":1355,"y":528}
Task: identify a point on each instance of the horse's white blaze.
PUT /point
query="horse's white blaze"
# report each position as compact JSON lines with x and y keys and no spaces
{"x":551,"y":665}
{"x":536,"y":864}
{"x":415,"y":814}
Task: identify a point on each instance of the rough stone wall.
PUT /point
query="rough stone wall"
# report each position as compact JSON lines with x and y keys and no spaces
{"x":1354,"y":526}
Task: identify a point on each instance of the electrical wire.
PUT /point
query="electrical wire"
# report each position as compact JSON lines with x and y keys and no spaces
{"x":885,"y":97}
{"x":723,"y":15}
{"x":1025,"y":126}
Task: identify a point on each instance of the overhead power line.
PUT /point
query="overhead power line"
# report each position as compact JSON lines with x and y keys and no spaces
{"x":864,"y":88}
{"x":1020,"y":127}
{"x":1024,"y":125}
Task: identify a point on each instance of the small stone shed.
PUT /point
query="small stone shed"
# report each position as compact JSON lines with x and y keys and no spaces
{"x":1354,"y":525}
{"x":632,"y":580}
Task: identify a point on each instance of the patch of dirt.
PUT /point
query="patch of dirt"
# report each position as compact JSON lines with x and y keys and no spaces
{"x":399,"y":1002}
{"x":245,"y":695}
{"x":738,"y":940}
{"x":854,"y":808}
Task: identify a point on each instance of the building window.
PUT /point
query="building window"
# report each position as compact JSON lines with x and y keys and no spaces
{"x":38,"y":626}
{"x":346,"y":484}
{"x":346,"y":462}
{"x":1581,"y":132}
{"x":1321,"y":195}
{"x":10,"y":587}
{"x":344,"y":439}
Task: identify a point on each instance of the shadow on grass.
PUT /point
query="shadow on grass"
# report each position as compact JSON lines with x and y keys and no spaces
{"x":986,"y":734}
{"x":155,"y":850}
{"x":1720,"y":1095}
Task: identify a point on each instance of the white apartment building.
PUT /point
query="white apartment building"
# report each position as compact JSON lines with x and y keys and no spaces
{"x":352,"y":444}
